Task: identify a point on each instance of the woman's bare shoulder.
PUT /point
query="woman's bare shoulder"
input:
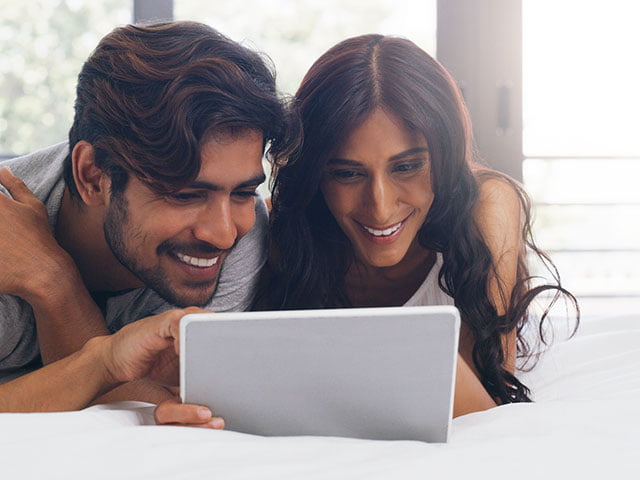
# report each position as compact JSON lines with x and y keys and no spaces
{"x":498,"y":213}
{"x":499,"y":201}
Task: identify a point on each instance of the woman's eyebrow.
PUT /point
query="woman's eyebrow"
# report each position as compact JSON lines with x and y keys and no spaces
{"x":408,"y":153}
{"x":343,"y":161}
{"x":397,"y":156}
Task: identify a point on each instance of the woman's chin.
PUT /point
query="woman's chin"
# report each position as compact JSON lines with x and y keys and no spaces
{"x":381,"y":261}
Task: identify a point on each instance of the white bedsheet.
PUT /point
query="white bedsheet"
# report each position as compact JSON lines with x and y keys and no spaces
{"x":585,"y":424}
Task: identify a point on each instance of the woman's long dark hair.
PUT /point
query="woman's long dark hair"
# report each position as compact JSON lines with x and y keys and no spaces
{"x":310,"y":255}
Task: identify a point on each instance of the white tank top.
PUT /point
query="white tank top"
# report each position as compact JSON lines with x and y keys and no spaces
{"x":430,"y":293}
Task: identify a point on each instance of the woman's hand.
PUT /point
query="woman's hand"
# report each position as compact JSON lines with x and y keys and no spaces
{"x":470,"y":396}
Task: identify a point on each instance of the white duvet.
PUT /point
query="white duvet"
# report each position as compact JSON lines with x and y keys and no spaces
{"x":585,"y":424}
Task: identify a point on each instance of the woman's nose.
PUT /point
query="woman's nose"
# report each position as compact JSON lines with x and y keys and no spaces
{"x":383,"y":200}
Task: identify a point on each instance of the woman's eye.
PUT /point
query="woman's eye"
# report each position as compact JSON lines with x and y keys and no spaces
{"x":345,"y":175}
{"x":408,"y":167}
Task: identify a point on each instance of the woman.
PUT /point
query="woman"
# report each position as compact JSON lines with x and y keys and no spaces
{"x":385,"y":204}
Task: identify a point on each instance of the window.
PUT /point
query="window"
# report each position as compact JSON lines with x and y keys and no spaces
{"x":563,"y":78}
{"x":580,"y":141}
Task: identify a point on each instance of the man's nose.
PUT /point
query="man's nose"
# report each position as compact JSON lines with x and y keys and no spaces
{"x":215,"y":225}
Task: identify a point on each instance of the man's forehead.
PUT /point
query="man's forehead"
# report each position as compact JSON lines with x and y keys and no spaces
{"x":231,"y":161}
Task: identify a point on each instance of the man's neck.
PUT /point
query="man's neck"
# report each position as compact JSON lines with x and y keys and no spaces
{"x":79,"y":230}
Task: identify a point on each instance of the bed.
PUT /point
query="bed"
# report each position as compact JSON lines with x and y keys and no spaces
{"x":585,"y":423}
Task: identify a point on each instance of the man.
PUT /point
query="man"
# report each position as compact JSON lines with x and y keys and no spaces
{"x":151,"y":204}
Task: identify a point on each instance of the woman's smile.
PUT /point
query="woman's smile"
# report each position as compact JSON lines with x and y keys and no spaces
{"x":385,"y":234}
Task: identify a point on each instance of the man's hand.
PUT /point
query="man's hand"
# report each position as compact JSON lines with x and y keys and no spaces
{"x":147,"y":348}
{"x":28,"y":248}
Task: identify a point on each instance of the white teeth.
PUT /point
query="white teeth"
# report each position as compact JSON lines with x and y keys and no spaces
{"x":197,"y":262}
{"x":383,"y":233}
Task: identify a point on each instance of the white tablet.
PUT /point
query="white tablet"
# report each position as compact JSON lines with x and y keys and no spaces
{"x":377,"y":373}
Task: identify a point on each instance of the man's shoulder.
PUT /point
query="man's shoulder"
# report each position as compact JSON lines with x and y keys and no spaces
{"x":41,"y":170}
{"x":51,"y":154}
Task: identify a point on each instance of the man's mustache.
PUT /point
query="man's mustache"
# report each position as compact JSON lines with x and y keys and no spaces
{"x":192,"y":248}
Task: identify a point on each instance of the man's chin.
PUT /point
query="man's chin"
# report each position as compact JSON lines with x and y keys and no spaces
{"x":195,"y":296}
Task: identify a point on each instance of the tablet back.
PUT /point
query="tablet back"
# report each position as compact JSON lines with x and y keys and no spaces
{"x":377,"y":373}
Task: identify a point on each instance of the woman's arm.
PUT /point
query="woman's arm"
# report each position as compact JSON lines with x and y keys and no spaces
{"x":470,"y":395}
{"x":498,"y":216}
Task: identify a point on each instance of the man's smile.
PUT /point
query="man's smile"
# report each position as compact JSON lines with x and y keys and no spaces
{"x":197,"y":261}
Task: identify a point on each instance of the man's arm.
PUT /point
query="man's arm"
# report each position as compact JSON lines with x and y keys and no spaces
{"x":144,"y":349}
{"x":38,"y":270}
{"x":69,"y":384}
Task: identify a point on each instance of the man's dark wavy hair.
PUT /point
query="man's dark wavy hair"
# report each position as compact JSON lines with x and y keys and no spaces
{"x":150,"y":95}
{"x":310,"y":255}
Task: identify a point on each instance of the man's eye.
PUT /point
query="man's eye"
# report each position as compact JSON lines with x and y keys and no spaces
{"x":246,"y":193}
{"x":183,"y":197}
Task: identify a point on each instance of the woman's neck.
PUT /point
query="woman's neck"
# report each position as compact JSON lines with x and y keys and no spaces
{"x":369,"y":286}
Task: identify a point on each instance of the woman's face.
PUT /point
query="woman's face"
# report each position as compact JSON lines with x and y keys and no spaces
{"x":378,"y":188}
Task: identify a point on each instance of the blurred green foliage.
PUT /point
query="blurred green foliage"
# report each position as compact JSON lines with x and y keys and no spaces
{"x":43,"y":44}
{"x":294,"y":33}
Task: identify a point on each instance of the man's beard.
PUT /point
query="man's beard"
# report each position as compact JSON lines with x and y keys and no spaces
{"x":114,"y":228}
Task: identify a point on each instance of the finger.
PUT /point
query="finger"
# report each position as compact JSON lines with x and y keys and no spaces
{"x":174,"y":412}
{"x":174,"y":326}
{"x":16,"y":187}
{"x":189,"y":418}
{"x":173,"y":389}
{"x":216,"y":423}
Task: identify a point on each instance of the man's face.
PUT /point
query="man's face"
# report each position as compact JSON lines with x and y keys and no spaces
{"x":176,"y":244}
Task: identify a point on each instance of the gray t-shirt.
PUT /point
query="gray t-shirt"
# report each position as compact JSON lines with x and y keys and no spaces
{"x":42,"y":173}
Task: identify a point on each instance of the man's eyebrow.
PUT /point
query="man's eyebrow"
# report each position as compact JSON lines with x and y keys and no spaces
{"x":201,"y":184}
{"x":397,"y":156}
{"x":252,"y":182}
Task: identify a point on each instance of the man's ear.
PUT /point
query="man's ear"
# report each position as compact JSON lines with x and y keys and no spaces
{"x":93,"y":184}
